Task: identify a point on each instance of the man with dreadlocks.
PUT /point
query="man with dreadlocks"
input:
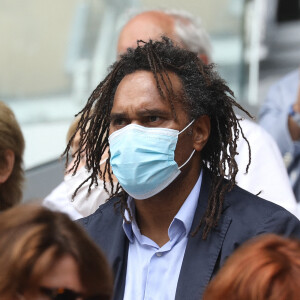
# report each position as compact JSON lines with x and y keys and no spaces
{"x":173,"y":219}
{"x":187,"y":31}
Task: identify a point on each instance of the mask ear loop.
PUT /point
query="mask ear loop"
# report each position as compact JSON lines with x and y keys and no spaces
{"x":187,"y":160}
{"x":193,"y":150}
{"x":188,"y":125}
{"x":103,"y":160}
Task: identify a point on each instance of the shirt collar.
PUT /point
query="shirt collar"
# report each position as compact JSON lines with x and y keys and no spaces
{"x":187,"y":211}
{"x":185,"y":215}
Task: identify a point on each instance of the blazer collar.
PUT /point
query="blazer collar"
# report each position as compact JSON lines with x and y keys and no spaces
{"x":201,"y":256}
{"x":114,"y":245}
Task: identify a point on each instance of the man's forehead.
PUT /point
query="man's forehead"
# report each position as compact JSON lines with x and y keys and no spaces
{"x":147,"y":80}
{"x":139,"y":90}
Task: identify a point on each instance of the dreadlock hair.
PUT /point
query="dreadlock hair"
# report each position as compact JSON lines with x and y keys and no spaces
{"x":204,"y":93}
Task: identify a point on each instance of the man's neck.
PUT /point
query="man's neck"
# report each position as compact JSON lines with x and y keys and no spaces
{"x":154,"y":215}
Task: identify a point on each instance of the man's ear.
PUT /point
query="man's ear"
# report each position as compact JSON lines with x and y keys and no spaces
{"x":7,"y":167}
{"x":201,"y":132}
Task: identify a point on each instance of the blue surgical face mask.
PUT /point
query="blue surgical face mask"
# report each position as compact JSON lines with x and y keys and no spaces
{"x":142,"y":159}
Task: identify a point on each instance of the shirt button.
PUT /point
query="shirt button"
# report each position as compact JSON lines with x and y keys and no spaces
{"x":159,"y":254}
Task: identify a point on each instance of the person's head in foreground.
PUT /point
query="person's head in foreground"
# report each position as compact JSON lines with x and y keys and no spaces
{"x":264,"y":268}
{"x":44,"y":255}
{"x":11,"y":158}
{"x":164,"y":115}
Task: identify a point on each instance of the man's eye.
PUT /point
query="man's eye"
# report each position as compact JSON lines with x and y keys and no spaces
{"x":119,"y":122}
{"x":153,"y":118}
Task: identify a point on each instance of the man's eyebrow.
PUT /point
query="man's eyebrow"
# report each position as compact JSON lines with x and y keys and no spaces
{"x":114,"y":116}
{"x":153,"y":112}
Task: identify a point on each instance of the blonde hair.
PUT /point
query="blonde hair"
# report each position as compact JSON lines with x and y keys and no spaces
{"x":11,"y":137}
{"x":72,"y":128}
{"x":33,"y":238}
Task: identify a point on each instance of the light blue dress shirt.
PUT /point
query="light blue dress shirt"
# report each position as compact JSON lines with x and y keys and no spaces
{"x":153,"y":272}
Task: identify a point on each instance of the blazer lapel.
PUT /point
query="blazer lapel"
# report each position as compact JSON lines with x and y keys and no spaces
{"x":201,"y":256}
{"x":114,"y":245}
{"x":117,"y":255}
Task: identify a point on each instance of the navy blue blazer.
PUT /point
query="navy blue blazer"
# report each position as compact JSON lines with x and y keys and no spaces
{"x":244,"y":216}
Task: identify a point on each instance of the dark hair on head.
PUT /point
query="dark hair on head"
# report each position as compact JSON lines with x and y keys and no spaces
{"x":33,"y":239}
{"x":204,"y":93}
{"x":264,"y":268}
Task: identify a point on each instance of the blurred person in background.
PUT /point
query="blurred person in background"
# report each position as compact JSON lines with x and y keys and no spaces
{"x":280,"y":116}
{"x":267,"y":173}
{"x":11,"y":159}
{"x":86,"y":201}
{"x":44,"y":255}
{"x":264,"y":268}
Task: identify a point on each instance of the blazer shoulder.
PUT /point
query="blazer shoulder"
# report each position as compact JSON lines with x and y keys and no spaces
{"x":250,"y":216}
{"x":106,"y":214}
{"x":239,"y":203}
